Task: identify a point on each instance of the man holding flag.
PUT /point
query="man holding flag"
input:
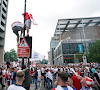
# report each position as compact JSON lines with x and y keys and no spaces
{"x":28,"y":20}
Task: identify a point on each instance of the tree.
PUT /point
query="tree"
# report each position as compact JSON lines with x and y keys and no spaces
{"x":94,"y":52}
{"x":6,"y":56}
{"x":12,"y":55}
{"x":79,"y":56}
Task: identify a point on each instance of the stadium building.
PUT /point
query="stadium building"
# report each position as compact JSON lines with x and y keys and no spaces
{"x":75,"y":36}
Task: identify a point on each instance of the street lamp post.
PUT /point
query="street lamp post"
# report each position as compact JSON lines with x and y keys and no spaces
{"x":24,"y":16}
{"x":24,"y":31}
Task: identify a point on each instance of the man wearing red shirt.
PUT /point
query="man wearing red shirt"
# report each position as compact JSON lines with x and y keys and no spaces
{"x":76,"y":82}
{"x":27,"y":21}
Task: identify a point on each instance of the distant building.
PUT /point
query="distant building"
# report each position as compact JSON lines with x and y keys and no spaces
{"x":73,"y":33}
{"x":49,"y":58}
{"x":3,"y":20}
{"x":67,"y":50}
{"x":36,"y":56}
{"x":53,"y":43}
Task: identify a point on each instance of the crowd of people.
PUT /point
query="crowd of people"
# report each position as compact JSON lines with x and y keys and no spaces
{"x":65,"y":77}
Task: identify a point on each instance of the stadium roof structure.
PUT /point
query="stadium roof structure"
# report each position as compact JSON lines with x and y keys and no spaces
{"x":64,"y":25}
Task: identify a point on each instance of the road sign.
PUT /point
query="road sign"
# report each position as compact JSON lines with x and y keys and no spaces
{"x":23,"y":49}
{"x":84,"y":60}
{"x":29,"y":41}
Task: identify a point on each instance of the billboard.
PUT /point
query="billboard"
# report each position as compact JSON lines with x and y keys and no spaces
{"x":80,"y":48}
{"x":36,"y":56}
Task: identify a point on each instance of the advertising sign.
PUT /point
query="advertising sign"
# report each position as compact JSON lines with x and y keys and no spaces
{"x":80,"y":48}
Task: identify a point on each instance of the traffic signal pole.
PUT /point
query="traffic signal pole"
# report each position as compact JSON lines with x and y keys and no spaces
{"x":24,"y":31}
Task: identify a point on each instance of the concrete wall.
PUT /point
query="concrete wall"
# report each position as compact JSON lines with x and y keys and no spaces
{"x":3,"y":33}
{"x":90,"y":33}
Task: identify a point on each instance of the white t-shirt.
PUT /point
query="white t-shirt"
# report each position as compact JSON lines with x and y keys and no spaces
{"x":87,"y":69}
{"x":17,"y":24}
{"x":49,"y":75}
{"x":60,"y":88}
{"x":15,"y":87}
{"x":42,"y":70}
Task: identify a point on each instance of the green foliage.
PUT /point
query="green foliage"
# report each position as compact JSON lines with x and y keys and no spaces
{"x":12,"y":55}
{"x":94,"y":52}
{"x":79,"y":56}
{"x":6,"y":56}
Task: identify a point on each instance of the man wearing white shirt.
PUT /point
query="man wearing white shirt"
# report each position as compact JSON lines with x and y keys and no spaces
{"x":61,"y":82}
{"x":19,"y":80}
{"x":17,"y":26}
{"x":49,"y":78}
{"x":4,"y":76}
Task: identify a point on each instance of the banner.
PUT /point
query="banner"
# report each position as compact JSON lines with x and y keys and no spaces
{"x":80,"y":48}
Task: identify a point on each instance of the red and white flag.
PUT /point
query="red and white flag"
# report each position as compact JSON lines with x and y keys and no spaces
{"x":32,"y":20}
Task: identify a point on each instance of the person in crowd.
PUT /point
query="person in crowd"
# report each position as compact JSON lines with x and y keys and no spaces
{"x":1,"y":77}
{"x":8,"y":64}
{"x":27,"y":81}
{"x":44,"y":78}
{"x":93,"y":70}
{"x":17,"y":26}
{"x":61,"y":82}
{"x":19,"y":80}
{"x":97,"y":77}
{"x":4,"y":75}
{"x":27,"y":21}
{"x":13,"y":76}
{"x":31,"y":74}
{"x":86,"y":72}
{"x":76,"y":79}
{"x":55,"y":72}
{"x":42,"y":71}
{"x":35,"y":78}
{"x":39,"y":76}
{"x":8,"y":77}
{"x":49,"y":78}
{"x":70,"y":83}
{"x":86,"y":83}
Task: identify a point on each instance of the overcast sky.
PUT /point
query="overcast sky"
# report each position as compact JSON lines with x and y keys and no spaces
{"x":46,"y":14}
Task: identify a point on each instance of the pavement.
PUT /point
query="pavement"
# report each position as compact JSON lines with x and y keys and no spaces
{"x":32,"y":86}
{"x":41,"y":86}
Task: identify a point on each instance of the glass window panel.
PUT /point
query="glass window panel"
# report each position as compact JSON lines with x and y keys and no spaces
{"x":61,"y":26}
{"x":81,"y":25}
{"x":85,"y":20}
{"x":96,"y":20}
{"x":71,"y":26}
{"x":74,"y":21}
{"x":92,"y":24}
{"x":63,"y":22}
